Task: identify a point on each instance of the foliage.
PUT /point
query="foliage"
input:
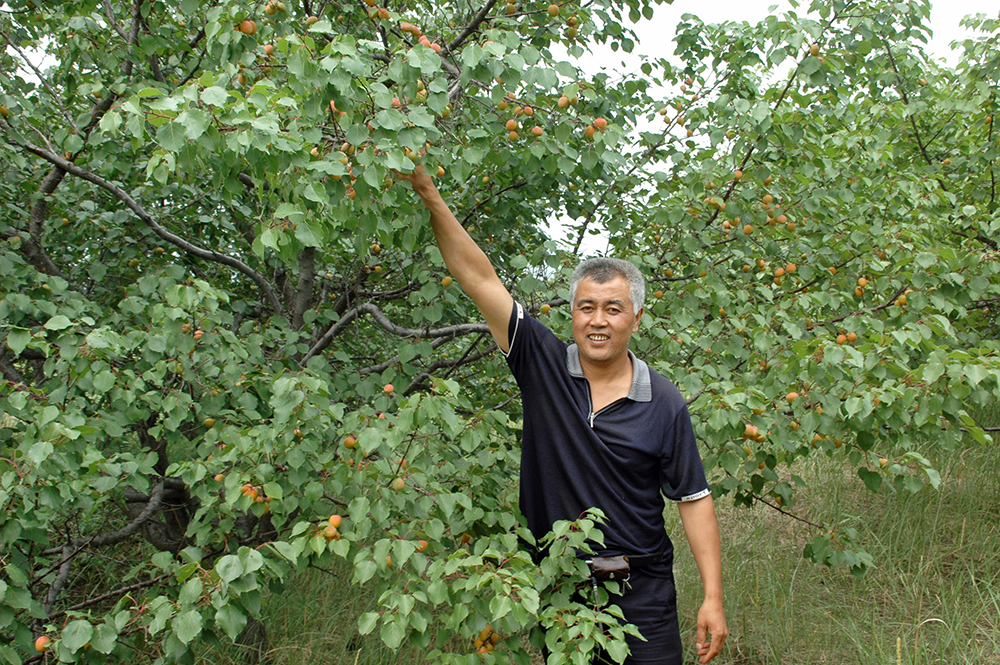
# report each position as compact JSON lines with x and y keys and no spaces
{"x":225,"y":322}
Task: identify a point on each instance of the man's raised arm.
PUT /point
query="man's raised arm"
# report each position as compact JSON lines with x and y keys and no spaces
{"x":465,"y":260}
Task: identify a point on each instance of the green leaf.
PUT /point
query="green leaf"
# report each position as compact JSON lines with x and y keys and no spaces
{"x":229,"y":568}
{"x":195,"y":121}
{"x":171,"y":136}
{"x":187,"y":626}
{"x":76,"y":634}
{"x":58,"y":322}
{"x":17,"y":340}
{"x":231,"y":620}
{"x":214,"y":96}
{"x":104,"y":381}
{"x":104,"y":639}
{"x":367,"y":622}
{"x":393,"y":633}
{"x":871,"y":479}
{"x":618,"y":650}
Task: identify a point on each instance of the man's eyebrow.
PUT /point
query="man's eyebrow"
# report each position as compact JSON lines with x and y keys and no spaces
{"x":592,"y":301}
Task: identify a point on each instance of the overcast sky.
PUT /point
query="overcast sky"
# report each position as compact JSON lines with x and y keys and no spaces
{"x":656,"y":35}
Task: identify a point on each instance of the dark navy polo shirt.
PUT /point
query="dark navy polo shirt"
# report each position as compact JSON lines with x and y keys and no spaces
{"x":623,"y":459}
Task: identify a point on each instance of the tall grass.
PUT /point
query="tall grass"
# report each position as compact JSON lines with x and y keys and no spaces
{"x":933,"y":597}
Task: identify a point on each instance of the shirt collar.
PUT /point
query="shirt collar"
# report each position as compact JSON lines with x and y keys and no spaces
{"x":641,"y":390}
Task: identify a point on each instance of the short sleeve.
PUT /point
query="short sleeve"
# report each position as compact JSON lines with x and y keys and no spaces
{"x":682,"y":475}
{"x":534,"y":349}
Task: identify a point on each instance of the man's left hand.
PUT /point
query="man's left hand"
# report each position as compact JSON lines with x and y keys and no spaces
{"x":711,"y":624}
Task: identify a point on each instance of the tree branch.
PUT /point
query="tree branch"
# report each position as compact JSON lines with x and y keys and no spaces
{"x":41,"y":79}
{"x":60,"y":581}
{"x":154,"y":503}
{"x":8,"y":370}
{"x":438,"y":364}
{"x":389,"y":326}
{"x":304,"y":291}
{"x":112,"y":22}
{"x":381,"y":367}
{"x":110,"y":594}
{"x":469,"y":29}
{"x":140,"y":212}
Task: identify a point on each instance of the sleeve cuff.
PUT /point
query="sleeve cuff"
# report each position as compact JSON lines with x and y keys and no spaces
{"x":693,"y":497}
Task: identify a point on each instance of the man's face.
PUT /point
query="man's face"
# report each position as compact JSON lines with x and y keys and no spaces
{"x":603,"y":320}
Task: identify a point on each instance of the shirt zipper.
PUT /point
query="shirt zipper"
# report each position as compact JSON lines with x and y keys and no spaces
{"x":590,"y":405}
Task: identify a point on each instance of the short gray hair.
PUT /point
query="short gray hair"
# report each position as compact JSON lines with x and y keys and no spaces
{"x":603,"y":270}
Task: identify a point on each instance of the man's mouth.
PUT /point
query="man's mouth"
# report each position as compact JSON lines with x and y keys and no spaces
{"x":597,"y":337}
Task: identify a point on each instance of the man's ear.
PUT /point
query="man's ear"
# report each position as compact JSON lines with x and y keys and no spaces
{"x":635,"y":324}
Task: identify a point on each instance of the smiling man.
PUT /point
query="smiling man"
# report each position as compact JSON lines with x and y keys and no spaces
{"x":601,"y":429}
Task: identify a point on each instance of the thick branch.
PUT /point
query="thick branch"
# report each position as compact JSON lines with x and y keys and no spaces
{"x":140,"y":212}
{"x":112,"y":22}
{"x":8,"y":370}
{"x":60,"y":581}
{"x":469,"y":29}
{"x":155,"y":501}
{"x":989,"y":242}
{"x":398,"y":331}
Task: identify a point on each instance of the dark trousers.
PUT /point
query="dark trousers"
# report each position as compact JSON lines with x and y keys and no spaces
{"x":651,"y":604}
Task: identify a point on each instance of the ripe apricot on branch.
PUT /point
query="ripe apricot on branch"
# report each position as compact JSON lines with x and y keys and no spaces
{"x":248,"y":27}
{"x":350,"y":442}
{"x":42,"y":643}
{"x":553,"y":10}
{"x":600,"y":123}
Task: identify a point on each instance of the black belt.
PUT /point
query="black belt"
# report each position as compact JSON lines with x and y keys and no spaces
{"x":644,"y":560}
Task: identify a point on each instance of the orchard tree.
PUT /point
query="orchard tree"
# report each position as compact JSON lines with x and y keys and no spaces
{"x":231,"y":350}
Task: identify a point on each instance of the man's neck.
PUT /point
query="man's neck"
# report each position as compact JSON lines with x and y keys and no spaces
{"x":605,"y":374}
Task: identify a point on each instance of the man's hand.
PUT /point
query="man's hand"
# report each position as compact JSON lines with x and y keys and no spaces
{"x":418,"y":178}
{"x":711,"y":623}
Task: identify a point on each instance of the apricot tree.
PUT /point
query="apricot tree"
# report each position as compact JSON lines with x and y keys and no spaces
{"x":224,"y":320}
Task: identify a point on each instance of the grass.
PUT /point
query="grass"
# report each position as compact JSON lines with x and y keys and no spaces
{"x":933,"y":597}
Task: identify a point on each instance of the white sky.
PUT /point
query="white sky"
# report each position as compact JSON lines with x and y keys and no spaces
{"x":655,"y":38}
{"x":656,"y":35}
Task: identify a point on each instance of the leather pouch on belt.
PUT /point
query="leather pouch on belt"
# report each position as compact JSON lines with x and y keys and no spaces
{"x":610,"y":567}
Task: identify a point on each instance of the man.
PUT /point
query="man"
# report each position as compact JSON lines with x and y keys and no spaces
{"x":601,"y":430}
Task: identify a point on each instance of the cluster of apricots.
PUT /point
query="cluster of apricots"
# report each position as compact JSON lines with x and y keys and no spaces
{"x":486,"y":641}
